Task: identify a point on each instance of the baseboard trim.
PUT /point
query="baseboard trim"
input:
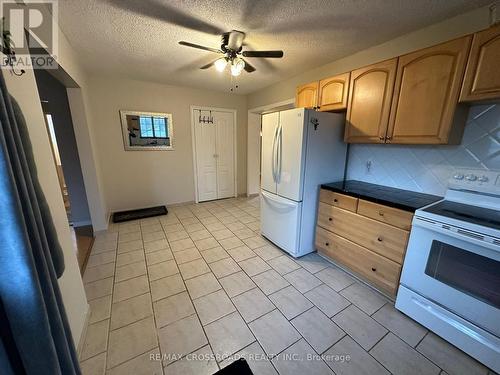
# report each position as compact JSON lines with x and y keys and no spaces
{"x":83,"y":335}
{"x":252,"y":195}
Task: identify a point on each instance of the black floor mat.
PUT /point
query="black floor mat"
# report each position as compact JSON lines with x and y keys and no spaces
{"x":238,"y":367}
{"x":142,"y":213}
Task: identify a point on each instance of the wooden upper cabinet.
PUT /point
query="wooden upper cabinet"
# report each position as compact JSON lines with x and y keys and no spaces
{"x":333,"y":93}
{"x":306,"y":95}
{"x":426,"y":93}
{"x":482,"y":77}
{"x":370,"y":95}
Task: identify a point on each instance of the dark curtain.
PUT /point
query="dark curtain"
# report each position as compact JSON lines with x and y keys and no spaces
{"x":35,"y":335}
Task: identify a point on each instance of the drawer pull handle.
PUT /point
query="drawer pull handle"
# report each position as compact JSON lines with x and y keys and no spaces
{"x":327,"y":243}
{"x":381,"y":213}
{"x":374,"y":269}
{"x":330,"y":219}
{"x":379,"y":239}
{"x":335,"y":200}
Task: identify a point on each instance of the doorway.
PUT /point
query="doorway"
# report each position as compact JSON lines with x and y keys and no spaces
{"x":59,"y":122}
{"x":214,"y":152}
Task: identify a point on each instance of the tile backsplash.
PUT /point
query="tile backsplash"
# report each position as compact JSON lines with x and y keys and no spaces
{"x":428,"y":168}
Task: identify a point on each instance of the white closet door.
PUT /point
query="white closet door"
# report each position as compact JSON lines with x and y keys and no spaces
{"x":206,"y":157}
{"x":270,"y":123}
{"x":224,"y":122}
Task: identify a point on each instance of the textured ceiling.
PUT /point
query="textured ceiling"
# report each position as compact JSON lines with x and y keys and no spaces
{"x":138,"y":38}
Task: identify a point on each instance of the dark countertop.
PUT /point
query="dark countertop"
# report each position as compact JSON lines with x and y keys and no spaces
{"x":397,"y":198}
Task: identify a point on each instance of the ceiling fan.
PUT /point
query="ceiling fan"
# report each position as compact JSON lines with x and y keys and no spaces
{"x":232,"y":49}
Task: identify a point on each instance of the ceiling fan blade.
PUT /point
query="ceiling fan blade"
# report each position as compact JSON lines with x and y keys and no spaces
{"x":162,"y":11}
{"x":248,"y":68}
{"x":192,"y":45}
{"x":206,"y":66}
{"x":235,"y":39}
{"x":268,"y":54}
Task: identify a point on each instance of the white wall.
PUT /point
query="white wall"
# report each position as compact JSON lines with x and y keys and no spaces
{"x":134,"y":179}
{"x":428,"y":168}
{"x":24,"y":90}
{"x":449,"y":29}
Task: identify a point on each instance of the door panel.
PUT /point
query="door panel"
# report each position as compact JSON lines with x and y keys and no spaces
{"x":333,"y":93}
{"x":224,"y":122}
{"x":269,"y":127}
{"x":280,"y":221}
{"x":426,"y":93}
{"x":370,"y":97}
{"x":306,"y":96}
{"x":291,"y":143}
{"x":482,"y":77}
{"x":205,"y":138}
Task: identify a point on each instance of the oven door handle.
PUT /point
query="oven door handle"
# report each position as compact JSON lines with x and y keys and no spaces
{"x":460,"y":234}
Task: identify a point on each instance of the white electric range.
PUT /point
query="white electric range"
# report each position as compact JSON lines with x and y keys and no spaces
{"x":451,"y":273}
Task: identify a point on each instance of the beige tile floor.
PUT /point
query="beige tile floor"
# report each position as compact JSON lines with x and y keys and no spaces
{"x":189,"y":292}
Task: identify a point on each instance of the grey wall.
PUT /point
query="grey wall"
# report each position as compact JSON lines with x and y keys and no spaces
{"x":428,"y":168}
{"x":52,"y":91}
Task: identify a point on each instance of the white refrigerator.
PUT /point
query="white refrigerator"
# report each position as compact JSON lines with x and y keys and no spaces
{"x":301,"y":149}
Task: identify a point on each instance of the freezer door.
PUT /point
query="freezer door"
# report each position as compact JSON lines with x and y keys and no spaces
{"x":291,"y":154}
{"x":280,"y":221}
{"x":268,"y":155}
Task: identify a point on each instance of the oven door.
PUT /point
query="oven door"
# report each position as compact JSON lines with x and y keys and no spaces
{"x":457,"y":270}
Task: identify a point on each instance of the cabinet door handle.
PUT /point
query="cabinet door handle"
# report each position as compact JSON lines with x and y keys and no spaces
{"x":327,"y":244}
{"x":388,"y":138}
{"x":374,"y":269}
{"x":330,"y":219}
{"x":379,"y":239}
{"x":335,"y":200}
{"x":381,"y":137}
{"x":381,"y":213}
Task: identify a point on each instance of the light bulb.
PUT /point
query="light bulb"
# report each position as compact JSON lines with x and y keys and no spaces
{"x":220,"y":64}
{"x":237,"y":67}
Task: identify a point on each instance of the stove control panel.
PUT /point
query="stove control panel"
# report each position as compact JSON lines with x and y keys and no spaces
{"x":476,"y":180}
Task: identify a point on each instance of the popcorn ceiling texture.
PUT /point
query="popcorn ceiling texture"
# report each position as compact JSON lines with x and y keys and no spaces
{"x":139,"y":39}
{"x":428,"y":168}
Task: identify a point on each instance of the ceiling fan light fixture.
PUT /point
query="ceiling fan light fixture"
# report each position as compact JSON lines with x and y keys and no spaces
{"x":237,"y":67}
{"x":220,"y":64}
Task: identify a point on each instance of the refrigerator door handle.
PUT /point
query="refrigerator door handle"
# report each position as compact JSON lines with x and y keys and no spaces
{"x":279,"y":155}
{"x":273,"y":154}
{"x":279,"y":203}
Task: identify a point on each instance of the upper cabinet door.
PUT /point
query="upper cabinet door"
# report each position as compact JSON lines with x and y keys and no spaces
{"x":333,"y":93}
{"x":307,"y":95}
{"x":482,"y":77}
{"x":426,"y":93}
{"x":370,"y":95}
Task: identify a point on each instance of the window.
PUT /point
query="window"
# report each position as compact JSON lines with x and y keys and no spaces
{"x":153,"y":127}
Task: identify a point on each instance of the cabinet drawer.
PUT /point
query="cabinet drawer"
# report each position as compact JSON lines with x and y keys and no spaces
{"x":380,"y":271}
{"x":338,"y":200}
{"x":381,"y":238}
{"x":389,"y":215}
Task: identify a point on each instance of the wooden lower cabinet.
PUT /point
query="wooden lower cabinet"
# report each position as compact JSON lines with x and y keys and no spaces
{"x":375,"y":268}
{"x":370,"y":240}
{"x":384,"y":239}
{"x":388,"y":215}
{"x":338,"y":200}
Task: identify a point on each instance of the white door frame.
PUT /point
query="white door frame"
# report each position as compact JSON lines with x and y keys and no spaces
{"x":193,"y":144}
{"x":253,"y":157}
